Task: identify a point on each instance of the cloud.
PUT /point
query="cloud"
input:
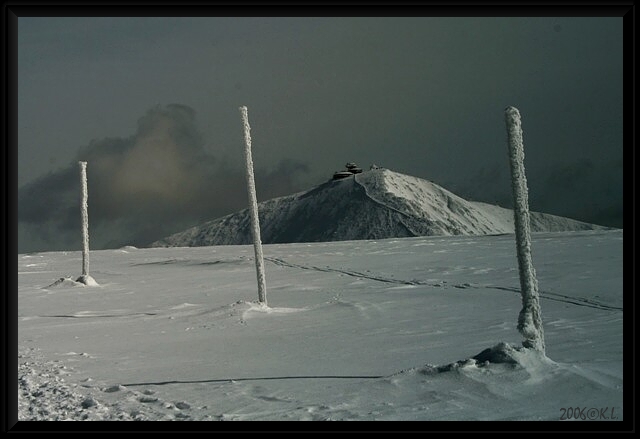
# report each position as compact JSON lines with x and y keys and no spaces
{"x":579,"y":190}
{"x":561,"y":189}
{"x":144,"y":187}
{"x":489,"y":184}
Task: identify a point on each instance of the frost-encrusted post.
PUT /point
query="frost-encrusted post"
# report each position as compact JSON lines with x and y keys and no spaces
{"x":85,"y":219}
{"x":530,"y":318}
{"x":85,"y":278}
{"x":253,"y":208}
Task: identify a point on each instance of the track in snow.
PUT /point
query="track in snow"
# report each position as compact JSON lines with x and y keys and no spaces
{"x":544,"y":294}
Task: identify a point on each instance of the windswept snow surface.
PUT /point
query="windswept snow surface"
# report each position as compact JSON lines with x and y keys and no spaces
{"x":398,"y":329}
{"x":375,"y":204}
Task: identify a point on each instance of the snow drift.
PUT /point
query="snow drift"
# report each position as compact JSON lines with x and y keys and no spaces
{"x":376,"y":204}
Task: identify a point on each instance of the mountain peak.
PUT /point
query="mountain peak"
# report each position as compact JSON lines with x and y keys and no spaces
{"x":375,"y":204}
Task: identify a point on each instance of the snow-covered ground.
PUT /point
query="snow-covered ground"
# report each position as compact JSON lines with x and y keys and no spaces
{"x":353,"y":330}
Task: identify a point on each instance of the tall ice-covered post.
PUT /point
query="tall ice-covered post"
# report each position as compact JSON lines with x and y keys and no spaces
{"x":530,"y":317}
{"x":85,"y":219}
{"x":253,"y":207}
{"x":84,"y":211}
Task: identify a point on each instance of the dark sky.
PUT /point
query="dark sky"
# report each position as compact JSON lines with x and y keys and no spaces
{"x":152,"y":105}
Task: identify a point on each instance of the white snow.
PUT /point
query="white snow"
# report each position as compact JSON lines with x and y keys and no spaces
{"x":354,"y":330}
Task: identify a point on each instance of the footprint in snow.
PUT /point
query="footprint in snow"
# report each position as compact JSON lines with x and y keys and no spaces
{"x":115,"y":388}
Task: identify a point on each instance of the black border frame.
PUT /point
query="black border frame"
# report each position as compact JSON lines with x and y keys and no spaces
{"x":15,"y":9}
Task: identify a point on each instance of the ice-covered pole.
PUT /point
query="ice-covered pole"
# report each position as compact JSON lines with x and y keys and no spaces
{"x":85,"y":219}
{"x":253,"y":208}
{"x":85,"y":278}
{"x":530,"y":318}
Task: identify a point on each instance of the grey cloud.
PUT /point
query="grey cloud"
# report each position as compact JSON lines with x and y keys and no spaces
{"x":144,"y":187}
{"x":579,"y":190}
{"x":582,"y":190}
{"x":490,"y":184}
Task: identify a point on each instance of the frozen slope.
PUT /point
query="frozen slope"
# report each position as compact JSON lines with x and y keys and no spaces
{"x":376,"y":204}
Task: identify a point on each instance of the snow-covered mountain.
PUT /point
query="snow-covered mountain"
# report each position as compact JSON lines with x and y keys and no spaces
{"x":376,"y":204}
